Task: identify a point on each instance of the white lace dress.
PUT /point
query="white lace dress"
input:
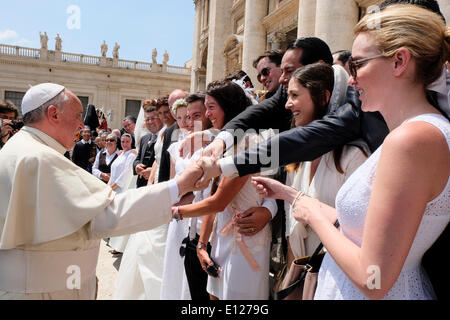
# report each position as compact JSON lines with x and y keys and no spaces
{"x":352,"y":203}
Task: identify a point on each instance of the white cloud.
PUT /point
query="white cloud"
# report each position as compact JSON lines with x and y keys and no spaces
{"x":12,"y":37}
{"x":8,"y":34}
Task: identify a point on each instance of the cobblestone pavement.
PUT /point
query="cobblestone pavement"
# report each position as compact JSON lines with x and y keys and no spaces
{"x":107,"y":270}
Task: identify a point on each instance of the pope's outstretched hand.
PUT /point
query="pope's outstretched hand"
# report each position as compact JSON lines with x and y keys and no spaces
{"x":210,"y":168}
{"x":187,"y":180}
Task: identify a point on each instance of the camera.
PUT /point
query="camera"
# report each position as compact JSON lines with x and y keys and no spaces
{"x":16,"y":125}
{"x":213,"y":270}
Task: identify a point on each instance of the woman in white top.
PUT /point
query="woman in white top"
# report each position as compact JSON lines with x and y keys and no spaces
{"x":396,"y":204}
{"x":102,"y":168}
{"x":121,"y":176}
{"x":309,"y":95}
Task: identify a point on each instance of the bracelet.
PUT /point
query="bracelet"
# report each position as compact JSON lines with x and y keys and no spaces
{"x":176,"y":214}
{"x":298,"y":196}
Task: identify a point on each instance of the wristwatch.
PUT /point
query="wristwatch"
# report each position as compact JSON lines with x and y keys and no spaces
{"x":201,"y":245}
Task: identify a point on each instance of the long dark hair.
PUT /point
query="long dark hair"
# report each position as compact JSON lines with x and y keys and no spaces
{"x":230,"y":96}
{"x":318,"y":78}
{"x":232,"y":99}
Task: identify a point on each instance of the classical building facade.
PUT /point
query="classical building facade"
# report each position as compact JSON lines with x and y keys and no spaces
{"x":115,"y":85}
{"x":230,"y":34}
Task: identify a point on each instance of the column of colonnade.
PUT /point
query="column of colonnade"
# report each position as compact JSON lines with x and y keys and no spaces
{"x":196,"y":59}
{"x":306,"y":18}
{"x":220,"y":29}
{"x":254,"y":36}
{"x":335,"y":21}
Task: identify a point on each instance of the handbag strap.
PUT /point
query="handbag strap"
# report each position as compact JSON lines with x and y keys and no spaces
{"x":312,"y":263}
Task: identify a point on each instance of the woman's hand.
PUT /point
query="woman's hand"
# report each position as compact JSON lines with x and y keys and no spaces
{"x":204,"y":258}
{"x":307,"y":208}
{"x":270,"y":188}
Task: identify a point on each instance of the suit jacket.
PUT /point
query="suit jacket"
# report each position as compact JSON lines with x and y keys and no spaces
{"x":146,"y":155}
{"x":164,"y":166}
{"x":81,"y":154}
{"x":346,"y":124}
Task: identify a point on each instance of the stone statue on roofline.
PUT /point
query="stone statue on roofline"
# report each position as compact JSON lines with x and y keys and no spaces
{"x":166,"y":57}
{"x":154,"y":54}
{"x":116,"y":51}
{"x":58,"y":43}
{"x":104,"y":48}
{"x":44,"y":40}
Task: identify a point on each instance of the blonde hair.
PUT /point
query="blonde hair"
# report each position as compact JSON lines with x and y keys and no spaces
{"x":420,"y":31}
{"x":178,"y":104}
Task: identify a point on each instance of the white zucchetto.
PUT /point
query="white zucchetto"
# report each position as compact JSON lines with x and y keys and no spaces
{"x":38,"y":95}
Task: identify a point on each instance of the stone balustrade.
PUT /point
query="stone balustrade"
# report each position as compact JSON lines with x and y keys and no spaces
{"x":19,"y":51}
{"x":49,"y":55}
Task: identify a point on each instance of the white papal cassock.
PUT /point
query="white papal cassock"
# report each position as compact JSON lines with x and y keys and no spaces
{"x":53,"y":215}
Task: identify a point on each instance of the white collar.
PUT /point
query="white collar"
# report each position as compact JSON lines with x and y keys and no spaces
{"x":84,"y":142}
{"x":46,"y":139}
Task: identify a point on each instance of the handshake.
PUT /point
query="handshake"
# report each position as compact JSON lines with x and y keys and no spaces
{"x":202,"y":170}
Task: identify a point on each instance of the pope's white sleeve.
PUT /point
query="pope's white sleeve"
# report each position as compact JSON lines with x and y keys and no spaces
{"x":95,"y":170}
{"x":136,"y":210}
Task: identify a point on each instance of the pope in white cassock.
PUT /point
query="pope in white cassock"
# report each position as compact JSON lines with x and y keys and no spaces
{"x":53,"y":213}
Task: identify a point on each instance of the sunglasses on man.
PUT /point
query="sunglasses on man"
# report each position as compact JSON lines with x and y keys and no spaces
{"x":264,"y":72}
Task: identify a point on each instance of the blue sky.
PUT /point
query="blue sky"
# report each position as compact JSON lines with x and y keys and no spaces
{"x":137,"y":26}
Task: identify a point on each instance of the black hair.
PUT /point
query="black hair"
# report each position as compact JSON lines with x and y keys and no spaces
{"x":344,"y":55}
{"x":230,"y":96}
{"x":275,"y":56}
{"x":431,"y":5}
{"x":240,"y":74}
{"x":314,"y":50}
{"x":198,"y":96}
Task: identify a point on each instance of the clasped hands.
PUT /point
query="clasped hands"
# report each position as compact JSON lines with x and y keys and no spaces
{"x":200,"y":172}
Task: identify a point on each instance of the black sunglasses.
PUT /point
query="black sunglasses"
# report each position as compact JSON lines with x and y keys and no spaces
{"x":264,"y":72}
{"x":111,"y":140}
{"x":354,"y":65}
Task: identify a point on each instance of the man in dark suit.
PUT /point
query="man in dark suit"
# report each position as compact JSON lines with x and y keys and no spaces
{"x":84,"y":151}
{"x":146,"y":156}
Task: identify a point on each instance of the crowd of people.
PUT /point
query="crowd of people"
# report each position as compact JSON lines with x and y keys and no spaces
{"x":360,"y":137}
